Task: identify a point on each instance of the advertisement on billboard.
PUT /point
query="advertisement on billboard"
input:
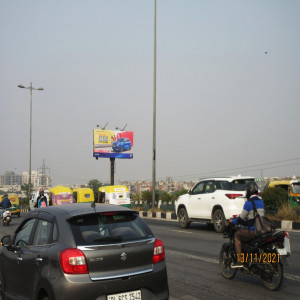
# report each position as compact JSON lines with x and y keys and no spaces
{"x":113,"y":143}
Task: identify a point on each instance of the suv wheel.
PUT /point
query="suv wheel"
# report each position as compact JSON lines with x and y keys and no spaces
{"x":219,"y":221}
{"x":183,"y":218}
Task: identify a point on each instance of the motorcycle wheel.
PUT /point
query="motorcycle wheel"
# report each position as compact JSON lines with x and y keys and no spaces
{"x":273,"y":282}
{"x":225,"y":261}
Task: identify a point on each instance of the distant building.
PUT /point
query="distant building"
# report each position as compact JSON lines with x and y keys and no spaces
{"x":38,"y":179}
{"x":10,"y":178}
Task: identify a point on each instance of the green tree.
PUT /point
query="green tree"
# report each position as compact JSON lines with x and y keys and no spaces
{"x":165,"y":197}
{"x":274,"y":197}
{"x":176,"y":194}
{"x":147,"y":196}
{"x":94,"y":184}
{"x":25,"y":188}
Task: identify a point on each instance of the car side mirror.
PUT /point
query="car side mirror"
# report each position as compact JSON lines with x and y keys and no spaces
{"x":189,"y":192}
{"x":6,"y":241}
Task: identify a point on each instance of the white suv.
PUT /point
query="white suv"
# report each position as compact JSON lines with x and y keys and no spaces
{"x":213,"y":200}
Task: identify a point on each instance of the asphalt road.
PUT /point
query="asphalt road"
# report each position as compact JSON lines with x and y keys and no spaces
{"x":193,"y":270}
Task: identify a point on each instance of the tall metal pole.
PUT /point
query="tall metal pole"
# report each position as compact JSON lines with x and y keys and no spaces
{"x":154,"y":115}
{"x":30,"y":133}
{"x":30,"y":142}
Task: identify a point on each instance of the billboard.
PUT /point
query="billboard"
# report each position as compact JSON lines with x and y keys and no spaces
{"x":113,"y":143}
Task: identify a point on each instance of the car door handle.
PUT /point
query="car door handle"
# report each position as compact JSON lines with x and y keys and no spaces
{"x":38,"y":259}
{"x":19,"y":258}
{"x":212,"y":197}
{"x":199,"y":198}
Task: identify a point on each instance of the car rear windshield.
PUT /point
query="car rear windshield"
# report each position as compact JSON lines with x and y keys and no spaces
{"x":235,"y":185}
{"x":109,"y":228}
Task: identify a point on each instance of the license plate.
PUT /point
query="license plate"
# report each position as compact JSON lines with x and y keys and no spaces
{"x":134,"y":295}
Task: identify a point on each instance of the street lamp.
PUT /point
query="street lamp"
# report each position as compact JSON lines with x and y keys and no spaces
{"x":30,"y":135}
{"x":154,"y":115}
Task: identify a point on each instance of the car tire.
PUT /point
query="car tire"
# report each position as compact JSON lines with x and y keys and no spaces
{"x":219,"y":221}
{"x":183,"y":218}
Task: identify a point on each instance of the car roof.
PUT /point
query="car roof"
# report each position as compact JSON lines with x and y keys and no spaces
{"x":68,"y":211}
{"x":228,"y":178}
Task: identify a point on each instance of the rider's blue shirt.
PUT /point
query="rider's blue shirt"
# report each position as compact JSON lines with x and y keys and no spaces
{"x":246,"y":218}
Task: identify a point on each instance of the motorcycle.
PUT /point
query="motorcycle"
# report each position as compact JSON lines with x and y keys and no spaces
{"x":6,"y":217}
{"x":262,"y":257}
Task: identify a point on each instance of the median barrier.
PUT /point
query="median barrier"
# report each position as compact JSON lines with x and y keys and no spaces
{"x":284,"y":224}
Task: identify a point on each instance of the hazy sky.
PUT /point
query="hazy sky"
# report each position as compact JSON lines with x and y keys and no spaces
{"x":228,"y":86}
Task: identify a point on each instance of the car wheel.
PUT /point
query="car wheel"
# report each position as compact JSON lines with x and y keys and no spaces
{"x":183,"y":218}
{"x":219,"y":221}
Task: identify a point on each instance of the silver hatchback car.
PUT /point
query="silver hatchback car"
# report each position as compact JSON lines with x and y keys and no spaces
{"x":83,"y":251}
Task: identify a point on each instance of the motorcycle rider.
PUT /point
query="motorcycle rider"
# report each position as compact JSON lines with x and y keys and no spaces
{"x":41,"y":200}
{"x":5,"y":203}
{"x":246,"y":219}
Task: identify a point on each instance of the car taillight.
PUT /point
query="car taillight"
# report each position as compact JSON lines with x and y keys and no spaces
{"x":287,"y":234}
{"x":73,"y":261}
{"x":158,"y":251}
{"x":233,"y":196}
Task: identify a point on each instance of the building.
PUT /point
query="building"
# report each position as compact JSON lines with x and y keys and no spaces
{"x":38,"y":179}
{"x":10,"y":178}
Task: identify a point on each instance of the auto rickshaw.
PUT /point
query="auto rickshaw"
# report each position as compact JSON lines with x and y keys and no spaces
{"x":60,"y":195}
{"x":114,"y":194}
{"x":83,"y":195}
{"x":14,"y":199}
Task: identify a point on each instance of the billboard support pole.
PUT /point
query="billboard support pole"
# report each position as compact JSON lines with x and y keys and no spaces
{"x":112,"y":171}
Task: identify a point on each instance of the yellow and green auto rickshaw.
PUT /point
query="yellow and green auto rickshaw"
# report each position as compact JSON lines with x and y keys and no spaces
{"x":292,"y":187}
{"x":83,"y":195}
{"x":60,"y":195}
{"x":14,"y":199}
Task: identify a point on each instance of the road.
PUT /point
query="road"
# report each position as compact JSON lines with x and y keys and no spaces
{"x":193,"y":270}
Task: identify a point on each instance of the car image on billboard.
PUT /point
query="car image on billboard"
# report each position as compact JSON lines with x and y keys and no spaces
{"x":121,"y":145}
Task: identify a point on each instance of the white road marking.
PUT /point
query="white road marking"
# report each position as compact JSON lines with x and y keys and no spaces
{"x":182,"y":231}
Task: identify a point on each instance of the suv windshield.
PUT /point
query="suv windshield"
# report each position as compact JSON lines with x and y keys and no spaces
{"x":110,"y":227}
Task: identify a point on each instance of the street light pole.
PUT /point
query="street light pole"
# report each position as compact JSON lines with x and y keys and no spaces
{"x":154,"y":115}
{"x":30,"y":133}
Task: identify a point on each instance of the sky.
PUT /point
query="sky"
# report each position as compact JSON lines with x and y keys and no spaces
{"x":227,"y":96}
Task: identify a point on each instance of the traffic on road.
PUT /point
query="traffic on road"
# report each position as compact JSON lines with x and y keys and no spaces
{"x":192,"y":260}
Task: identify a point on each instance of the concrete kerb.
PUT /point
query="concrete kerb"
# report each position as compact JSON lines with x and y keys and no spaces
{"x":158,"y":215}
{"x":284,"y":225}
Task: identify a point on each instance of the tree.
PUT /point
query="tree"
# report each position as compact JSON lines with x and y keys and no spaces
{"x":147,"y":196}
{"x":176,"y":194}
{"x":165,"y":197}
{"x":274,"y":197}
{"x":25,"y":187}
{"x":95,"y":184}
